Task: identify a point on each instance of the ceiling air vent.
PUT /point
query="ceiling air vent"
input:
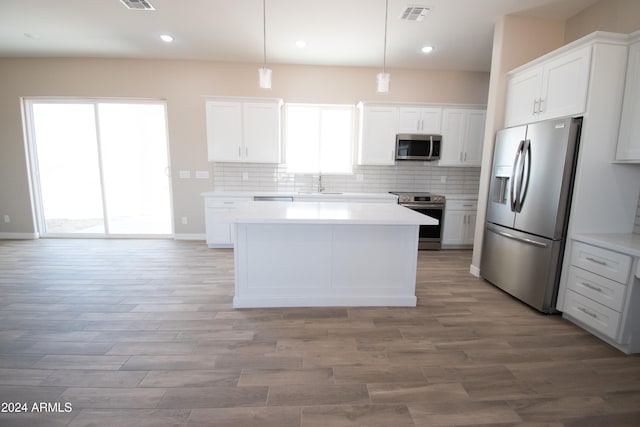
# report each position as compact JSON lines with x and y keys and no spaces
{"x":414,"y":13}
{"x":137,"y":4}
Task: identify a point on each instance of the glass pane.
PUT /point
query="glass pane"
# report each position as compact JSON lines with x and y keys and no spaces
{"x":67,"y":156}
{"x":336,"y":141}
{"x":133,"y":143}
{"x":302,"y":139}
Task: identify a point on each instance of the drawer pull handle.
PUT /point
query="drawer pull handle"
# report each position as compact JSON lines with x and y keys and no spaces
{"x":597,"y":261}
{"x":593,"y":288}
{"x":587,"y":312}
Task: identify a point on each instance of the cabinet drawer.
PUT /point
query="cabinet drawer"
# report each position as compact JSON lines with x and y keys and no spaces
{"x":595,"y":315}
{"x":462,"y":205}
{"x":613,"y":265}
{"x":223,"y":203}
{"x":599,"y":289}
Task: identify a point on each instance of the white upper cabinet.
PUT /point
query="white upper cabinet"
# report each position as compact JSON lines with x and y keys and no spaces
{"x":555,"y":88}
{"x":243,"y":131}
{"x":462,"y":137}
{"x":424,"y":120}
{"x":378,"y":128}
{"x":629,"y":139}
{"x":261,"y":127}
{"x":224,"y":131}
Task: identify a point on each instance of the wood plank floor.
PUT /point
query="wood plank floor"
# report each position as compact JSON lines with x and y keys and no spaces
{"x":142,"y":333}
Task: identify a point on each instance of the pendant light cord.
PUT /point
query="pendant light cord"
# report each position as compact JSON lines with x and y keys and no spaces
{"x":384,"y":55}
{"x":264,"y":30}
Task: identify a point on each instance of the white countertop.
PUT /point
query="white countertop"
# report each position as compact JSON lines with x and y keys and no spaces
{"x":625,"y":243}
{"x":296,"y":194}
{"x":327,"y":213}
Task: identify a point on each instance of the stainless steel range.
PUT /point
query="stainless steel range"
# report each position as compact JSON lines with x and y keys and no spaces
{"x":428,"y":204}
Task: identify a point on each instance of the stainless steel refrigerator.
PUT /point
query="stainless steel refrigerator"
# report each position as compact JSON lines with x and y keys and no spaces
{"x":528,"y":209}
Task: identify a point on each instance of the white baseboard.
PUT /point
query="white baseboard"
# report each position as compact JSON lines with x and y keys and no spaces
{"x":474,"y":270}
{"x":185,"y":236}
{"x":19,"y":236}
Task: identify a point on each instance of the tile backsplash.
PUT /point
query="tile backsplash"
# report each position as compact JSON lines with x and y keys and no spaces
{"x":365,"y":179}
{"x":418,"y":176}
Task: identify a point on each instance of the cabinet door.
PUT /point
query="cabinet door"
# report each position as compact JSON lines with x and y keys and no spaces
{"x":431,"y":120}
{"x":378,"y":128}
{"x":218,"y":229}
{"x":469,"y":228}
{"x":462,"y":137}
{"x":409,"y":120}
{"x":261,"y":127}
{"x":453,"y":231}
{"x":629,"y":139}
{"x":565,"y":82}
{"x":424,"y":120}
{"x":224,"y":131}
{"x":453,"y":133}
{"x":523,"y":96}
{"x":474,"y":138}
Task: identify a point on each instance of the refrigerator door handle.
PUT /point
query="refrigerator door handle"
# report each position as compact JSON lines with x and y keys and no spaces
{"x":521,"y":239}
{"x":512,"y":194}
{"x":526,"y":163}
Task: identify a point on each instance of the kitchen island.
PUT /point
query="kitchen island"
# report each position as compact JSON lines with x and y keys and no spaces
{"x":304,"y":254}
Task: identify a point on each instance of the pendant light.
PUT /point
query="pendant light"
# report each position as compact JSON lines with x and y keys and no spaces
{"x":383,"y":78}
{"x":264,"y":73}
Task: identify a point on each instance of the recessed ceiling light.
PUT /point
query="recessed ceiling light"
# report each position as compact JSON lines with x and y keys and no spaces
{"x":32,"y":35}
{"x":166,"y":38}
{"x":426,"y":49}
{"x":301,"y":43}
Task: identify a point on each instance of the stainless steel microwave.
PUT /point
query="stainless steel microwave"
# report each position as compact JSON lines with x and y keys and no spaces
{"x":418,"y":147}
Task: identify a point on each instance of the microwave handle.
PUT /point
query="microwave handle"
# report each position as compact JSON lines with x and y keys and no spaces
{"x":430,"y":145}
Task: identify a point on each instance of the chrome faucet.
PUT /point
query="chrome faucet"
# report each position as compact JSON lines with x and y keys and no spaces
{"x":320,"y":187}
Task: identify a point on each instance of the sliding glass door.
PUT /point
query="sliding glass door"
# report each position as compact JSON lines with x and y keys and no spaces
{"x":101,"y":168}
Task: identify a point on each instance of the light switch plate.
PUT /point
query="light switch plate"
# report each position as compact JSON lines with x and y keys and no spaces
{"x":202,"y":174}
{"x":185,"y":174}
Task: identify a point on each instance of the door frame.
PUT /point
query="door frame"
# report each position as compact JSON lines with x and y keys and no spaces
{"x":35,"y":188}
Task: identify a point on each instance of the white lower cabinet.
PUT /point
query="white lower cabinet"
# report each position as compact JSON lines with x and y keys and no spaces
{"x":219,"y":230}
{"x":459,"y":223}
{"x":600,"y":294}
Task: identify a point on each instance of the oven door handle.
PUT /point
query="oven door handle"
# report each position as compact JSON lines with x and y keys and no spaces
{"x":422,"y":206}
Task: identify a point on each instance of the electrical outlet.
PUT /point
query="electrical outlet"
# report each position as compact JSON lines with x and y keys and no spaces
{"x":245,"y":176}
{"x":7,"y":219}
{"x":443,"y":179}
{"x":184,"y":220}
{"x":185,"y":174}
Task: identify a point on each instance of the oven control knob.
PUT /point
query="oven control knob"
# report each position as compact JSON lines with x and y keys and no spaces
{"x":404,"y":199}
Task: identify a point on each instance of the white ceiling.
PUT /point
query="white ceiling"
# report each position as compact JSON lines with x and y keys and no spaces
{"x":337,"y":32}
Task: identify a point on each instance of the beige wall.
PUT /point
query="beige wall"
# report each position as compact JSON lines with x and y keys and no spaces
{"x":617,"y":16}
{"x":517,"y":40}
{"x":183,"y":84}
